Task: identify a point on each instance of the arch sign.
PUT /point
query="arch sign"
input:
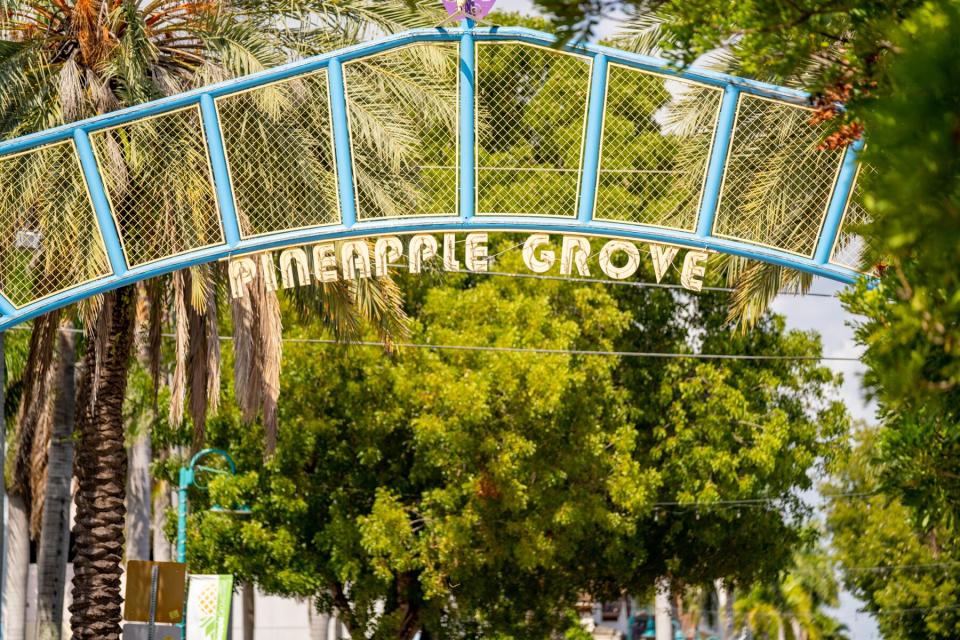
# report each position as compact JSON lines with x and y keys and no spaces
{"x":328,"y":261}
{"x":559,"y":143}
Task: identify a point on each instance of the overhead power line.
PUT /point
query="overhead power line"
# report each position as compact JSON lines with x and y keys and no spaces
{"x":382,"y":344}
{"x":905,"y":567}
{"x":548,"y":351}
{"x":761,"y":501}
{"x":630,"y":283}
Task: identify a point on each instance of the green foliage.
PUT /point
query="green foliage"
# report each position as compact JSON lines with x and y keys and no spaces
{"x":411,"y":478}
{"x":793,"y":606}
{"x":906,"y":573}
{"x":910,"y":325}
{"x":725,"y":431}
{"x":841,"y":45}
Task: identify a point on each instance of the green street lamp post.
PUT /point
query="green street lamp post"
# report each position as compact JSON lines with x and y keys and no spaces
{"x":188,"y":478}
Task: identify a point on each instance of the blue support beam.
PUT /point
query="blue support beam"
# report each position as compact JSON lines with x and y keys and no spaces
{"x":101,"y":205}
{"x":375,"y":227}
{"x":838,"y":203}
{"x":221,"y":175}
{"x":594,"y":139}
{"x":389,"y":43}
{"x":6,"y":307}
{"x":718,"y":160}
{"x":467,"y":194}
{"x":341,"y":142}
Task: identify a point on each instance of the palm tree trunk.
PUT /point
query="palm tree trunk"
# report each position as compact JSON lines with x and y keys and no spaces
{"x":248,"y":609}
{"x":162,"y":549}
{"x":101,"y":468}
{"x":33,"y":405}
{"x":55,"y":533}
{"x":319,"y":622}
{"x":799,"y":633}
{"x":661,"y":608}
{"x":725,"y":604}
{"x":18,"y":565}
{"x":138,"y":499}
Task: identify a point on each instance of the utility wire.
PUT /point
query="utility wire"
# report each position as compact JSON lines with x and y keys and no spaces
{"x":532,"y":350}
{"x":547,"y":351}
{"x":628,"y":283}
{"x":885,"y":612}
{"x":912,"y":567}
{"x":754,"y":501}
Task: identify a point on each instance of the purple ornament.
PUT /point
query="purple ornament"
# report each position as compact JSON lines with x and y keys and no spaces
{"x":474,"y":8}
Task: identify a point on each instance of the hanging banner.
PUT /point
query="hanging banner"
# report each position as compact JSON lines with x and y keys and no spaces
{"x":208,"y":607}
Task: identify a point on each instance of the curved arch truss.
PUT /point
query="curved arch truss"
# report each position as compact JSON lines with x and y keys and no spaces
{"x":580,"y":140}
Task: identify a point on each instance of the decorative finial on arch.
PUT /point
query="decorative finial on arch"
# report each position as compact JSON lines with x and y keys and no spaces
{"x":472,"y":9}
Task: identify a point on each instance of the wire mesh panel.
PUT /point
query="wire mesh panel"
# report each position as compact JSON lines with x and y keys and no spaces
{"x":279,"y":150}
{"x":657,"y":135}
{"x":777,"y":183}
{"x":850,"y":246}
{"x":402,"y":110}
{"x":49,"y":239}
{"x":158,"y":181}
{"x":531,"y":111}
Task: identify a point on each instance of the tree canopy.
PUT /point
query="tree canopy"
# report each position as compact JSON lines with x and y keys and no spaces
{"x":449,"y":486}
{"x":905,"y":572}
{"x":911,"y":320}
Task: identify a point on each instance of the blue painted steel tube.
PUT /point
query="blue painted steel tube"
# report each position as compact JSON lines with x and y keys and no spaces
{"x":186,"y":478}
{"x":424,"y":224}
{"x":838,"y":203}
{"x":101,"y":206}
{"x":341,"y":143}
{"x":468,"y":127}
{"x":718,"y":160}
{"x":221,"y":175}
{"x":516,"y":34}
{"x":7,"y":309}
{"x":594,"y":139}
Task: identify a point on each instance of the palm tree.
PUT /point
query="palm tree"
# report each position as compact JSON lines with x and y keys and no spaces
{"x":32,"y":415}
{"x":779,"y":150}
{"x":792,"y":608}
{"x":54,"y":534}
{"x":64,"y":60}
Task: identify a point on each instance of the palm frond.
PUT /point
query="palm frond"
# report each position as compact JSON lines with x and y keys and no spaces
{"x":257,"y":334}
{"x":181,"y":323}
{"x":756,"y":285}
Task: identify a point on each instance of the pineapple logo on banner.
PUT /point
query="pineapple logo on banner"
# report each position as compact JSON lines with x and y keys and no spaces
{"x":208,"y":607}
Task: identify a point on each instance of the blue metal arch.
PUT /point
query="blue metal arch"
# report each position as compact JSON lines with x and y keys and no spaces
{"x":349,"y":226}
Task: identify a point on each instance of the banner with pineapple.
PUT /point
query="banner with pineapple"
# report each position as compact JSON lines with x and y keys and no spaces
{"x":208,"y":607}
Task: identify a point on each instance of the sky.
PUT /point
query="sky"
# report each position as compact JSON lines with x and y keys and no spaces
{"x":826,"y":316}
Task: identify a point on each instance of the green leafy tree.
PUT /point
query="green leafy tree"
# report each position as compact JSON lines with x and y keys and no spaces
{"x":448,"y":486}
{"x":718,"y":432}
{"x":404,"y":480}
{"x":907,"y":573}
{"x":892,"y":63}
{"x":60,"y":62}
{"x":911,"y":319}
{"x":841,"y":45}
